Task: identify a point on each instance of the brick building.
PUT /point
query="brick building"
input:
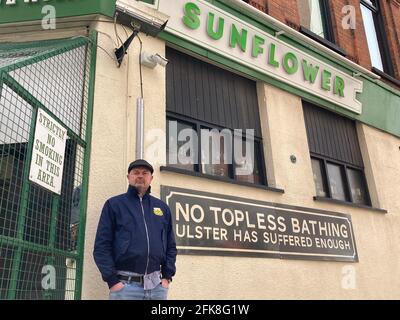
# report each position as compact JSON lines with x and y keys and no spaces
{"x":273,"y":127}
{"x":352,"y":41}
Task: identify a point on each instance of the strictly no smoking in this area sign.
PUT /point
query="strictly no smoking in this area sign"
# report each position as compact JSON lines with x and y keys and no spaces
{"x":48,"y":153}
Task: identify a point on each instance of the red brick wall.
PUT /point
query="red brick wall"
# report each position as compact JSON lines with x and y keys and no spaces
{"x":391,"y":14}
{"x":354,"y":42}
{"x":285,"y":11}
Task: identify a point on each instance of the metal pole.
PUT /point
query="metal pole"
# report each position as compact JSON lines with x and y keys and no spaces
{"x":139,"y":128}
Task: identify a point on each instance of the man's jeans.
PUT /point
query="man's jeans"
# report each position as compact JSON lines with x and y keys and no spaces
{"x":135,"y":291}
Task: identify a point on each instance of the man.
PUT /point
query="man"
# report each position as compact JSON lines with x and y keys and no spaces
{"x":135,"y":248}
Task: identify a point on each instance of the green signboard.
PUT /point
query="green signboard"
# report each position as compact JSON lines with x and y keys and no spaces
{"x":12,"y":11}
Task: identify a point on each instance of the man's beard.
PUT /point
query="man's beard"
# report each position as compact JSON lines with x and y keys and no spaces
{"x":141,"y":187}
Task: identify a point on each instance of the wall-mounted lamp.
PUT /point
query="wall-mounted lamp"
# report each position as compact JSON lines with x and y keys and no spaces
{"x":139,"y":18}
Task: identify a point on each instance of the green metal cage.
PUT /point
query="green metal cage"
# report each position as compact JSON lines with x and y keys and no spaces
{"x":42,"y":232}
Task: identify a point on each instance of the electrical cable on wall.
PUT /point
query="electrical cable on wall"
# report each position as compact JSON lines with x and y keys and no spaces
{"x":140,"y":66}
{"x":113,"y":58}
{"x":120,"y":42}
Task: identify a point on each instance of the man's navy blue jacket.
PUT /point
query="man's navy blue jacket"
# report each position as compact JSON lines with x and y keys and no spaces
{"x":131,"y":239}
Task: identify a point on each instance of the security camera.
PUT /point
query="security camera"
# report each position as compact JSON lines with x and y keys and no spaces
{"x":151,"y":60}
{"x":140,"y":18}
{"x":135,"y":14}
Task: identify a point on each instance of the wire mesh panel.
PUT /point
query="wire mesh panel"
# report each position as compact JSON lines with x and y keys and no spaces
{"x":70,"y":202}
{"x":40,"y":253}
{"x":45,"y":276}
{"x":14,"y":136}
{"x":65,"y":76}
{"x":6,"y":258}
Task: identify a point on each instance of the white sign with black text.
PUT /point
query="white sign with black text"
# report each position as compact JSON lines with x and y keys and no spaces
{"x":208,"y":26}
{"x":216,"y":224}
{"x":48,"y":152}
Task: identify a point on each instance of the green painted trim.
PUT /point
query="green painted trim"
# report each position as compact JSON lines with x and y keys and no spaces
{"x":21,"y":12}
{"x":381,"y":108}
{"x":18,"y":242}
{"x":265,"y":26}
{"x":55,"y":206}
{"x":49,"y":44}
{"x":383,"y":85}
{"x":1,"y":83}
{"x":12,"y":289}
{"x":27,"y":96}
{"x":13,"y":242}
{"x":50,"y":48}
{"x":86,"y":165}
{"x":22,"y":209}
{"x":385,"y":118}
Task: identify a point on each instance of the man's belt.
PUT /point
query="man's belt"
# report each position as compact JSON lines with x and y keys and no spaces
{"x":131,"y":278}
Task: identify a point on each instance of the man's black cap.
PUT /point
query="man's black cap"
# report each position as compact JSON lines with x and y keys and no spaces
{"x":140,"y":163}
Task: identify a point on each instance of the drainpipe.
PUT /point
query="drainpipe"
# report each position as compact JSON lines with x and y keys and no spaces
{"x":139,"y":128}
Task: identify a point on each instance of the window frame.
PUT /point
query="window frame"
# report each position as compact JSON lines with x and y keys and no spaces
{"x":329,"y":39}
{"x":344,"y":166}
{"x":327,"y":20}
{"x":198,"y":171}
{"x":381,"y":36}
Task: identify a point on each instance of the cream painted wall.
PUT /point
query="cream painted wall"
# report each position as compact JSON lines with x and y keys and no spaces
{"x":114,"y":118}
{"x":377,"y":274}
{"x":208,"y":277}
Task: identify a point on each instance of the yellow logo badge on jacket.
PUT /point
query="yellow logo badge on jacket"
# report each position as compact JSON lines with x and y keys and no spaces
{"x":158,"y":212}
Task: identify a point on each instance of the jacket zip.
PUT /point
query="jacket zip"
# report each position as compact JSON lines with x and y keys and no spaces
{"x":147,"y":235}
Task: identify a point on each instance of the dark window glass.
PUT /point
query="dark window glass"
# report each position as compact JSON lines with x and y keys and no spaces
{"x":374,"y":26}
{"x":181,"y":145}
{"x":336,"y":158}
{"x":336,"y":182}
{"x":357,"y":186}
{"x":319,"y":178}
{"x":216,"y":152}
{"x":219,"y":155}
{"x":248,"y":167}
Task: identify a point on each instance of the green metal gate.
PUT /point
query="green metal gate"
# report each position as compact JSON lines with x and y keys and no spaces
{"x":41,"y":232}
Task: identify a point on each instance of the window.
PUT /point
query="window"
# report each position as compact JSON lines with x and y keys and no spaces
{"x":315,"y":17}
{"x":319,"y":177}
{"x":255,"y":174}
{"x":214,"y":152}
{"x":216,"y":148}
{"x":336,"y":160}
{"x":213,"y":121}
{"x":176,"y":147}
{"x":357,"y":186}
{"x":376,"y":39}
{"x":316,"y":23}
{"x":337,"y":186}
